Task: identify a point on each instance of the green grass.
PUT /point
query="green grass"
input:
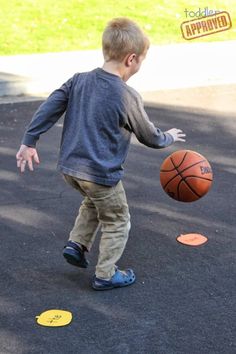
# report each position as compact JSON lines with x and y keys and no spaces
{"x":37,"y":26}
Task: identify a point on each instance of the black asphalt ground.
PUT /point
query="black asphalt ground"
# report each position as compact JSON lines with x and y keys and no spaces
{"x":184,"y":299}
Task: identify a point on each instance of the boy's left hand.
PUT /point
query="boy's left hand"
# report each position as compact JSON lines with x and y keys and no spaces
{"x":177,"y":134}
{"x":26,"y":155}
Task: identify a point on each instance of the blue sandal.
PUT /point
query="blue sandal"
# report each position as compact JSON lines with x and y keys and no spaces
{"x":120,"y":279}
{"x":74,"y":254}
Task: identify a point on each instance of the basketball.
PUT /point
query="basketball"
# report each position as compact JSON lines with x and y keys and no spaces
{"x":186,"y":175}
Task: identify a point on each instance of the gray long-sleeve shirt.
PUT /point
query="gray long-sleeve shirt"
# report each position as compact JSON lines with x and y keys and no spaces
{"x":102,"y":112}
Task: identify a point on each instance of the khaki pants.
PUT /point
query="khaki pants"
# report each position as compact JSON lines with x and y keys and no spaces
{"x":104,"y":207}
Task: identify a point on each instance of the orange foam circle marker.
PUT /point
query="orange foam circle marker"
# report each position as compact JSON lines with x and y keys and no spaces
{"x":192,"y":239}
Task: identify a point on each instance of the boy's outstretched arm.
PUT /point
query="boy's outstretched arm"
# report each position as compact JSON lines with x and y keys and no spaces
{"x":138,"y":122}
{"x":44,"y":118}
{"x":26,"y":155}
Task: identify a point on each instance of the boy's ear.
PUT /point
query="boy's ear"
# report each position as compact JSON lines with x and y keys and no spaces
{"x":129,"y":59}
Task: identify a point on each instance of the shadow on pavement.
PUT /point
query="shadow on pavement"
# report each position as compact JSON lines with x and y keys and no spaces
{"x":184,"y":299}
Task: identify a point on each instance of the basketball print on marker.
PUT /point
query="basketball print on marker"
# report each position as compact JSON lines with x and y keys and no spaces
{"x":186,"y":176}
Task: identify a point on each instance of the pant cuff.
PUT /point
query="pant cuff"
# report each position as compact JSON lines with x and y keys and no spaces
{"x":85,"y":244}
{"x":105,"y":275}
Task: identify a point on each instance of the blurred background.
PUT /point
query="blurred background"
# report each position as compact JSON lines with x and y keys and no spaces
{"x":39,"y":26}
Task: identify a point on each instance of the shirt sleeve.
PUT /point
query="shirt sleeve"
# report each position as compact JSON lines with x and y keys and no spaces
{"x":139,"y":123}
{"x":47,"y":114}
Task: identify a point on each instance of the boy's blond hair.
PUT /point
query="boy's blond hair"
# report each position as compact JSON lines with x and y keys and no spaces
{"x":121,"y":37}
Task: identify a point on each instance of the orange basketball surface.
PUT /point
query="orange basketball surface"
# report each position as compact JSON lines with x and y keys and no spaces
{"x":186,"y":175}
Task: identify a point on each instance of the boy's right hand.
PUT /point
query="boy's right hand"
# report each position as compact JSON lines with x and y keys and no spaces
{"x":177,"y":134}
{"x":26,"y":155}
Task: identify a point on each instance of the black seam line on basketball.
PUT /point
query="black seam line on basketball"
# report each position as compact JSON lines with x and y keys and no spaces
{"x":191,"y":188}
{"x":174,"y":165}
{"x":179,"y":172}
{"x":183,"y":178}
{"x":178,"y":190}
{"x":198,"y":177}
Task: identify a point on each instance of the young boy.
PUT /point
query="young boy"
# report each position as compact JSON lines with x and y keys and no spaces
{"x":102,"y":112}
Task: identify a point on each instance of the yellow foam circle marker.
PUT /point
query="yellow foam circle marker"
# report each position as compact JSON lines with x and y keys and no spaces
{"x":54,"y":318}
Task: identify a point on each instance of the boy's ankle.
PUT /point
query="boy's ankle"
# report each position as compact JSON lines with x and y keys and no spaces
{"x":82,"y":247}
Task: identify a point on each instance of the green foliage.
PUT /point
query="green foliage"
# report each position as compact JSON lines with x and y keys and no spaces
{"x":36,"y":26}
